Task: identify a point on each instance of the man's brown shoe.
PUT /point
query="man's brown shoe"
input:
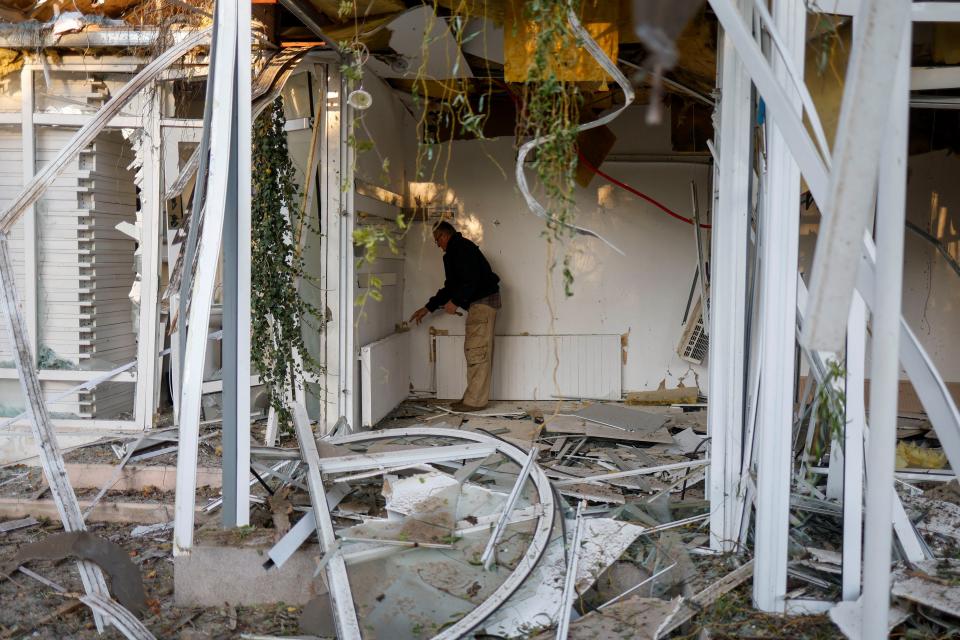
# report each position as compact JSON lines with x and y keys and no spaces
{"x":465,"y":408}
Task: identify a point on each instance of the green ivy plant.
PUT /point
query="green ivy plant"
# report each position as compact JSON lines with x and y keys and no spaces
{"x":551,"y":106}
{"x":548,"y":105}
{"x":830,"y":403}
{"x":832,"y":400}
{"x":278,"y":312}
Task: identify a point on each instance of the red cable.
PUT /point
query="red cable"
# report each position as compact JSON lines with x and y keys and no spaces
{"x":635,"y":192}
{"x":586,"y":163}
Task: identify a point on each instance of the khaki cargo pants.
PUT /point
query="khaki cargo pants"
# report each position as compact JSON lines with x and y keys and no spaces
{"x":478,"y":349}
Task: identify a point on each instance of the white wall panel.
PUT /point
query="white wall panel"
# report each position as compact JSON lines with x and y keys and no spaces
{"x":384,"y":376}
{"x":525,"y":367}
{"x":642,"y":293}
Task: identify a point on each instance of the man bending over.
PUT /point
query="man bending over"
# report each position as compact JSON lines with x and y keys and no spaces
{"x":469,"y":284}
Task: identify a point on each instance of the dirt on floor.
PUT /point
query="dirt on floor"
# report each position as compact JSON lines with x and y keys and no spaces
{"x":33,"y":610}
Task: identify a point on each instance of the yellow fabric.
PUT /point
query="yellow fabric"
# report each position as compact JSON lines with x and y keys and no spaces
{"x":572,"y":63}
{"x":11,"y":60}
{"x":913,"y":457}
{"x":478,"y":350}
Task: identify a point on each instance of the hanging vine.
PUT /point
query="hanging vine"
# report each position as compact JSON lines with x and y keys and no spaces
{"x":551,"y":109}
{"x":546,"y":104}
{"x":278,"y":312}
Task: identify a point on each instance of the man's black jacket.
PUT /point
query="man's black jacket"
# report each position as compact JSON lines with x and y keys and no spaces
{"x":468,"y":275}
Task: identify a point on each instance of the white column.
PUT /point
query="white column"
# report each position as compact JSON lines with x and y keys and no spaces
{"x":779,"y":244}
{"x":331,"y":275}
{"x":349,"y":406}
{"x":236,"y":335}
{"x":148,"y":329}
{"x":853,"y":449}
{"x":223,"y":59}
{"x":28,"y":159}
{"x":885,"y":367}
{"x":728,"y":292}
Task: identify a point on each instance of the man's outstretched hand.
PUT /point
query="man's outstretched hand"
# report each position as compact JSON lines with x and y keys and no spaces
{"x":451,"y":308}
{"x":419,"y":315}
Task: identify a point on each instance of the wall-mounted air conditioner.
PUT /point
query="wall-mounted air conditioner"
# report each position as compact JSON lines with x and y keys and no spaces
{"x":694,"y":340}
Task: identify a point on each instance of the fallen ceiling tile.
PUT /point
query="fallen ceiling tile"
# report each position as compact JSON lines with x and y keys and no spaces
{"x":618,"y":416}
{"x":536,"y":605}
{"x":411,"y":33}
{"x":931,"y":584}
{"x":848,"y":616}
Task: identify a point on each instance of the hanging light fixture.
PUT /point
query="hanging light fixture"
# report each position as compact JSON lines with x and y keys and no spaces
{"x":360,"y":99}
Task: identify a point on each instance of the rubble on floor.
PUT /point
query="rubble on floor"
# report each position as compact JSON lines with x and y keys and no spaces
{"x":450,"y":525}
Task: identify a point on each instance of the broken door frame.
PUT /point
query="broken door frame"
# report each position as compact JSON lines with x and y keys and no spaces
{"x":815,"y":170}
{"x":28,"y":119}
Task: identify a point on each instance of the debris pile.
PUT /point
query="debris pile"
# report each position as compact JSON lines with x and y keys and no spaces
{"x":562,"y":519}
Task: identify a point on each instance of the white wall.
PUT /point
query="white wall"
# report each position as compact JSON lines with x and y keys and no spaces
{"x":643,"y":293}
{"x":391,"y":130}
{"x":931,"y":289}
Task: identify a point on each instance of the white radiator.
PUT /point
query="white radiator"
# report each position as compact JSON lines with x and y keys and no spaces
{"x":384,"y":376}
{"x":523,"y":367}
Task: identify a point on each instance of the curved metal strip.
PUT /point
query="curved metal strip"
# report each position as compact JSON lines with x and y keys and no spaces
{"x":118,"y":616}
{"x":540,"y":537}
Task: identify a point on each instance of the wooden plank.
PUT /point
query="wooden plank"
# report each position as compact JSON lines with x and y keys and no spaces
{"x":708,"y":596}
{"x":122,"y":512}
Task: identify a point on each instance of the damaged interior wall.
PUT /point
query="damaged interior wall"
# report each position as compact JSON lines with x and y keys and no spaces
{"x":85,"y":318}
{"x":931,"y":289}
{"x":384,"y":145}
{"x":643,"y":293}
{"x":389,"y":165}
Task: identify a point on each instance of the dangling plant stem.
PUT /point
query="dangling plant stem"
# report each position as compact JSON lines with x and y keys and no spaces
{"x":278,"y":312}
{"x":552,"y":109}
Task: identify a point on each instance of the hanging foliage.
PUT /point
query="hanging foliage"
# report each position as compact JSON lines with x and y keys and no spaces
{"x":549,"y":103}
{"x":552,"y":109}
{"x":278,"y":312}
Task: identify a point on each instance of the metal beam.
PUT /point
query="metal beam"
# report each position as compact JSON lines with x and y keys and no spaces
{"x":384,"y":459}
{"x":490,"y":550}
{"x":28,"y":144}
{"x":853,"y":433}
{"x":932,"y":78}
{"x":935,"y":11}
{"x":236,"y":289}
{"x":149,"y":318}
{"x":778,"y":298}
{"x":51,"y":459}
{"x":338,"y":583}
{"x":885,"y":366}
{"x":935,"y":102}
{"x":856,"y":155}
{"x":223,"y":60}
{"x":570,"y":578}
{"x":728,"y":287}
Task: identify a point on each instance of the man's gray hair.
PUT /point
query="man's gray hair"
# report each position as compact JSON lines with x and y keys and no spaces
{"x":444,"y":226}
